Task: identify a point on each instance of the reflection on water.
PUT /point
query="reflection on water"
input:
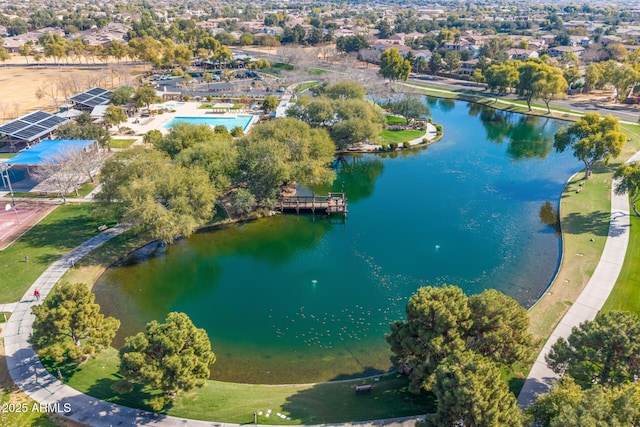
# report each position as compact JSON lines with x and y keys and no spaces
{"x":294,"y":299}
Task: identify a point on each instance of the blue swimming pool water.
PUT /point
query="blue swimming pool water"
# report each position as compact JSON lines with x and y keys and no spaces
{"x":228,"y":122}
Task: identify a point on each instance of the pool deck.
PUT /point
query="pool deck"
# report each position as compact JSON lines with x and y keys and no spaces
{"x":187,"y":109}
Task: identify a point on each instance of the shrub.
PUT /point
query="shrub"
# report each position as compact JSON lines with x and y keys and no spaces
{"x":393,"y":146}
{"x":186,"y":97}
{"x":438,"y":129}
{"x":384,"y":147}
{"x":406,"y":144}
{"x":177,"y":72}
{"x":425,"y":141}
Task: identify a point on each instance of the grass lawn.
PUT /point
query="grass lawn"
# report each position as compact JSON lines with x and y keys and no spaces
{"x":282,"y":66}
{"x":122,"y":143}
{"x":7,"y":155}
{"x":304,"y":86}
{"x":585,"y":216}
{"x":229,"y":402}
{"x":319,"y":71}
{"x":395,"y":120}
{"x":626,"y":293}
{"x":58,"y":233}
{"x":400,"y":136}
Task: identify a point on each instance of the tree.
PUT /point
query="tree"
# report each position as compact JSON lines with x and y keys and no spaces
{"x":69,"y":324}
{"x":153,"y":195}
{"x":243,"y":202}
{"x":114,"y":116}
{"x":122,"y":95}
{"x":529,"y":74}
{"x":345,"y":90}
{"x":281,"y":151}
{"x":435,"y":63}
{"x":270,"y":103}
{"x":452,"y":60}
{"x":550,"y":85}
{"x":502,"y":77}
{"x":432,"y":331}
{"x":500,"y":328}
{"x":351,"y":43}
{"x":170,"y":356}
{"x":393,"y":66}
{"x":145,"y":95}
{"x":441,"y":321}
{"x":409,"y":107}
{"x":629,"y":175}
{"x":59,"y":175}
{"x":184,"y":135}
{"x":603,"y":351}
{"x":470,"y":392}
{"x":567,"y":404}
{"x":83,"y":129}
{"x":592,"y":138}
{"x":85,"y":163}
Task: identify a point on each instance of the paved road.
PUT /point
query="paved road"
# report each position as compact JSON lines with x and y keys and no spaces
{"x":625,"y":112}
{"x":590,"y":301}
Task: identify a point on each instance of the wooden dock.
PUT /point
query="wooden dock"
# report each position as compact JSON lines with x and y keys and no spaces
{"x":330,"y":204}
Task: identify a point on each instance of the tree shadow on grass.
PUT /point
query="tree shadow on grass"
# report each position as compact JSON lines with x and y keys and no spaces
{"x":340,"y":402}
{"x":596,"y":223}
{"x":138,"y":398}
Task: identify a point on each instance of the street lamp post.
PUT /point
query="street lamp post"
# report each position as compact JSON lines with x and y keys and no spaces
{"x":5,"y":171}
{"x":8,"y":207}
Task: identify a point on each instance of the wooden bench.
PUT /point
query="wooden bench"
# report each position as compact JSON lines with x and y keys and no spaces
{"x":102,"y":227}
{"x":366,"y":387}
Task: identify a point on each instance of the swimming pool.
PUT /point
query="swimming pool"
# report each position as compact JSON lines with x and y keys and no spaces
{"x":228,"y":122}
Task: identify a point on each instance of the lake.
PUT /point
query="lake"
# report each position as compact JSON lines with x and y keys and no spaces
{"x":298,"y":299}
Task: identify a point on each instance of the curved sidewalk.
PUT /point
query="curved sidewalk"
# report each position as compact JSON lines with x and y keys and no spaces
{"x":27,"y":371}
{"x":590,"y":301}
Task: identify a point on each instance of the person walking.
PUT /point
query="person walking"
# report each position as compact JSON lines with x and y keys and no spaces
{"x":36,"y":294}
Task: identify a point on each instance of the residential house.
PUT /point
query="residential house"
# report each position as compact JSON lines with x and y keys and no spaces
{"x":559,"y":50}
{"x":521,"y":54}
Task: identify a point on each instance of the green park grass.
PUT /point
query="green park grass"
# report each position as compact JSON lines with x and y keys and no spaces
{"x":7,"y":155}
{"x":395,"y":120}
{"x":122,"y":143}
{"x":585,"y":226}
{"x":230,"y":402}
{"x":319,"y":71}
{"x":400,"y":136}
{"x":62,"y":230}
{"x":306,"y":85}
{"x":626,"y":293}
{"x":282,"y":66}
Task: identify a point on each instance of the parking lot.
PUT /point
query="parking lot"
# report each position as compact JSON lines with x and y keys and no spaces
{"x":231,"y":83}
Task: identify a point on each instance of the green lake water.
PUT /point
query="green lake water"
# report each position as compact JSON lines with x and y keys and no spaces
{"x":297,"y":299}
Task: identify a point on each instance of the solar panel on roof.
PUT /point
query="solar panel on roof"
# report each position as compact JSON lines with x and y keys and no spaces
{"x":11,"y":127}
{"x":30,"y":132}
{"x":96,"y":91}
{"x":95,"y":101}
{"x":35,"y":117}
{"x":82,"y":97}
{"x":51,"y":122}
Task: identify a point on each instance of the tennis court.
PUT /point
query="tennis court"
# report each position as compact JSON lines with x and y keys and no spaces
{"x":15,"y":221}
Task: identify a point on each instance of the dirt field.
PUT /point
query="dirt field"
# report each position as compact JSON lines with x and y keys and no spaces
{"x":19,"y":85}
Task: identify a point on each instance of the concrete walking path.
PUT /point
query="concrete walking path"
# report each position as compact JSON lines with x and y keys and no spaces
{"x":590,"y":301}
{"x":30,"y":376}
